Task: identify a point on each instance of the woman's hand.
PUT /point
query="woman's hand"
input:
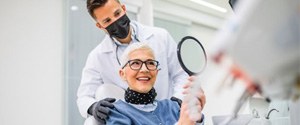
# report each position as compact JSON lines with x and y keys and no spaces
{"x":199,"y":94}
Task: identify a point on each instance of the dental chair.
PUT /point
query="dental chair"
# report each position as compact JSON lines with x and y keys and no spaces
{"x":105,"y":91}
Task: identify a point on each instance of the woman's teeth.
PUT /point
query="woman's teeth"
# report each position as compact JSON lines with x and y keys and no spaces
{"x":143,"y":79}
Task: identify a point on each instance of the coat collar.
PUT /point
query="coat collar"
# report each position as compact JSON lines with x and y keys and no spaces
{"x":142,"y":34}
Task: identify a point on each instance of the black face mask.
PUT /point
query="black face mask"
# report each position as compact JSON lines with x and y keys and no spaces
{"x":119,"y":28}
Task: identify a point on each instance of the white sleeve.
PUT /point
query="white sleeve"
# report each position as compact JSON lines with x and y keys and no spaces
{"x":178,"y":76}
{"x":90,"y":81}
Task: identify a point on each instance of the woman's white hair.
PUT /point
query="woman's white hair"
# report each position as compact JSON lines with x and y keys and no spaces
{"x":134,"y":47}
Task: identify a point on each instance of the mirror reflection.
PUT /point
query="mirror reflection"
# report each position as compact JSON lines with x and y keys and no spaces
{"x":192,"y":56}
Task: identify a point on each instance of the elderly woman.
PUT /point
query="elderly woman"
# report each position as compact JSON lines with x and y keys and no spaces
{"x":139,"y":70}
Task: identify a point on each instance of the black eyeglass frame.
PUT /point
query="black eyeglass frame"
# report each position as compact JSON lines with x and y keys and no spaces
{"x":143,"y":62}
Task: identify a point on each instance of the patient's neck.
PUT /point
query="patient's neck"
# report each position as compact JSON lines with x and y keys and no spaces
{"x":135,"y":97}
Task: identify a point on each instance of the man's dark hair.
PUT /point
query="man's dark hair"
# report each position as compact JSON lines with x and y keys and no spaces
{"x":94,"y":4}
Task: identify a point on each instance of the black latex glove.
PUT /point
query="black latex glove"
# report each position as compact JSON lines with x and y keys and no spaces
{"x":100,"y":109}
{"x":179,"y":101}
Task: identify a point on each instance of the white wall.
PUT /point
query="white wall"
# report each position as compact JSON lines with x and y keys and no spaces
{"x":181,"y":20}
{"x":31,"y":62}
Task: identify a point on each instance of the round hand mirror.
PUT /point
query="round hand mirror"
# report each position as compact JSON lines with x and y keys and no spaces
{"x":191,"y":55}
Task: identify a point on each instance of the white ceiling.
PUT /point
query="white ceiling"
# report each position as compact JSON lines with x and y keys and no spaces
{"x":204,"y":9}
{"x":188,"y":12}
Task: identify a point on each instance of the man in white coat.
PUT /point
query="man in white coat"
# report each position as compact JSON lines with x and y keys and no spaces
{"x":103,"y":62}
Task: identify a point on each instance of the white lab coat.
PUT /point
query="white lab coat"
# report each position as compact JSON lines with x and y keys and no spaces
{"x":102,"y":67}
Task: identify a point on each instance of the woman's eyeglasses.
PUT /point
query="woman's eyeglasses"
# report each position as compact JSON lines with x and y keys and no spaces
{"x":137,"y":64}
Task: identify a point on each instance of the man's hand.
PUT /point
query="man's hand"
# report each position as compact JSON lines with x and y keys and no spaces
{"x":179,"y":101}
{"x":100,"y":109}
